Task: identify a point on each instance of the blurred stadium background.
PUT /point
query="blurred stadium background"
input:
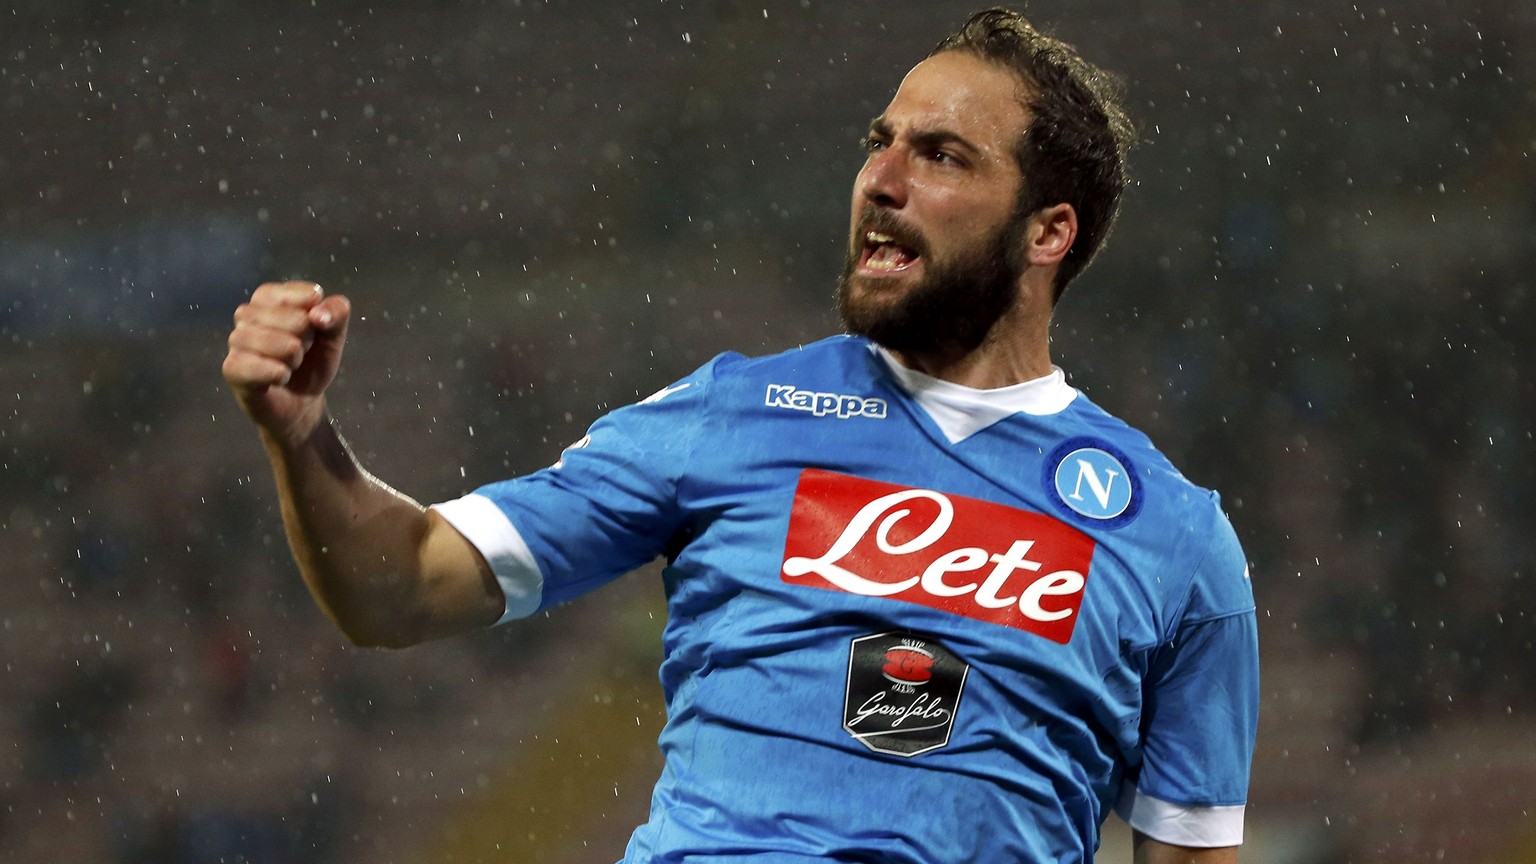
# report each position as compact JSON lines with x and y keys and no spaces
{"x":1318,"y":301}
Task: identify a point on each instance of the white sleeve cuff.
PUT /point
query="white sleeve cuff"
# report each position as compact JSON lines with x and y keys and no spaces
{"x":490,"y":531}
{"x":1178,"y":825}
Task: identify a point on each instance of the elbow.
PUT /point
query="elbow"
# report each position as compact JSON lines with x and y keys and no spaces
{"x":382,"y":640}
{"x":392,"y":634}
{"x":391,"y":613}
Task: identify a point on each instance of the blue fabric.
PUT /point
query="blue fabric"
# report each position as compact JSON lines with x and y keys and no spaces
{"x":1158,"y":682}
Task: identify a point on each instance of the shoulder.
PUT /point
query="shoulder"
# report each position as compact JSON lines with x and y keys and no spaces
{"x":1194,"y":549}
{"x":730,"y":381}
{"x":833,"y":363}
{"x":1092,"y":439}
{"x":825,"y":356}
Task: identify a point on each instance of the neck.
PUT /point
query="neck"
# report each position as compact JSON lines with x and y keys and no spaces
{"x":1015,"y":350}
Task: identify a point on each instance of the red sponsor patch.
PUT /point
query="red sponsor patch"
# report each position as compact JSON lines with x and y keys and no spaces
{"x":911,"y":666}
{"x":961,"y":555}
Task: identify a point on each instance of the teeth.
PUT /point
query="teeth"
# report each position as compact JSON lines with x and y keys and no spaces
{"x":877,"y":238}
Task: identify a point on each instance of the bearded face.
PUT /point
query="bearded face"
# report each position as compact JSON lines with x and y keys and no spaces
{"x":953,"y":303}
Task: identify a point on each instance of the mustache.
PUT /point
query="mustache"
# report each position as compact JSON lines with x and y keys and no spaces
{"x":885,"y":222}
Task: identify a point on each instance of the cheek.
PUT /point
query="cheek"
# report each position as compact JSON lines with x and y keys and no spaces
{"x":965,"y":215}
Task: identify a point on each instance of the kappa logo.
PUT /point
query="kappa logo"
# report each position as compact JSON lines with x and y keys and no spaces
{"x":838,"y":405}
{"x":1094,"y":479}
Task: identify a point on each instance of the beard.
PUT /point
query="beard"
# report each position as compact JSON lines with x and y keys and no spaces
{"x":952,"y":308}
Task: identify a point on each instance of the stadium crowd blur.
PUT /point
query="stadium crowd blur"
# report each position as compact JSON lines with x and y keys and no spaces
{"x":1318,"y":301}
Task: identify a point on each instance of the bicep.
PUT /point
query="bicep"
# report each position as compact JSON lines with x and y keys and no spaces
{"x":1150,"y":851}
{"x":459,"y":593}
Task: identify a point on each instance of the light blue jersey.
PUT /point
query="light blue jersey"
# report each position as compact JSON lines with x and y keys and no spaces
{"x":909,"y":621}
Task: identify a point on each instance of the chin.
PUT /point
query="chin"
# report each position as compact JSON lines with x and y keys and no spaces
{"x":883,"y":287}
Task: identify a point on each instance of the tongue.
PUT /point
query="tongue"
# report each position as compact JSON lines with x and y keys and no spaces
{"x":890,"y":255}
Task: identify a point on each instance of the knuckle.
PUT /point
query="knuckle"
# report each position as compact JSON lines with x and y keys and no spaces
{"x":271,"y":294}
{"x":293,"y":351}
{"x":237,"y":368}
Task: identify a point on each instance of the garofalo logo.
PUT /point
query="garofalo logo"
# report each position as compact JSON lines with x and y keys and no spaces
{"x":838,"y":405}
{"x":903,"y":692}
{"x":961,"y":555}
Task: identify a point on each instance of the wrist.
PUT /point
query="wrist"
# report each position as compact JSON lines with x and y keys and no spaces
{"x":289,"y":437}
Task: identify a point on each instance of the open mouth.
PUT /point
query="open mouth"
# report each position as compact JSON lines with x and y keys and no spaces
{"x":882,"y":254}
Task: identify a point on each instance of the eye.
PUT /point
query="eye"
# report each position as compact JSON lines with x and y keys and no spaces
{"x":871,"y":143}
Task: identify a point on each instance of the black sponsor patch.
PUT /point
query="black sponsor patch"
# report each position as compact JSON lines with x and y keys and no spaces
{"x":903,"y":691}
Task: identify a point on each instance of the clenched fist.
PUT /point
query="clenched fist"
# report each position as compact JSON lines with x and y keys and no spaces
{"x":283,"y":353}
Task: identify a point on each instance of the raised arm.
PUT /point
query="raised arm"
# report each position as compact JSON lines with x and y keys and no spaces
{"x":384,"y":569}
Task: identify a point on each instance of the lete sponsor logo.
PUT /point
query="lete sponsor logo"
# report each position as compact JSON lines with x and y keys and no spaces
{"x":961,"y":555}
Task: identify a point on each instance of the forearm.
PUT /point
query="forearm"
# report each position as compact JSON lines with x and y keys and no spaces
{"x":358,"y":542}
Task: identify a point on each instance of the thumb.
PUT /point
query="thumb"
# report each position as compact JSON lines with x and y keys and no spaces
{"x":328,"y":320}
{"x":329,"y":317}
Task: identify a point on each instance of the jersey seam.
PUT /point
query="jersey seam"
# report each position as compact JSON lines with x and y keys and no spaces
{"x":702,"y":419}
{"x":664,"y":824}
{"x":1176,"y":621}
{"x":1217,"y":616}
{"x":674,"y":479}
{"x":1188,"y":805}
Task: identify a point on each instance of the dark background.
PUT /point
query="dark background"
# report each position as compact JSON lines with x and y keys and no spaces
{"x":1318,"y":301}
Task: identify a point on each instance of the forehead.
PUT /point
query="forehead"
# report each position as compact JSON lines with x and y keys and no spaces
{"x":961,"y":93}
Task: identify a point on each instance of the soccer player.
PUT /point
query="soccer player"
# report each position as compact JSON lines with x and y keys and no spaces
{"x":927,"y":602}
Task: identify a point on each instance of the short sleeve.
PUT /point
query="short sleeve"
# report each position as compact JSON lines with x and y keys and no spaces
{"x":1200,"y":710}
{"x":607,"y":507}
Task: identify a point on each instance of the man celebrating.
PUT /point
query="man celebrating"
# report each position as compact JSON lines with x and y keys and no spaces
{"x":927,"y":602}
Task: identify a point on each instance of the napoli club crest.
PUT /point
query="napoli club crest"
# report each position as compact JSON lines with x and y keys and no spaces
{"x":903,"y":692}
{"x":1094,"y":482}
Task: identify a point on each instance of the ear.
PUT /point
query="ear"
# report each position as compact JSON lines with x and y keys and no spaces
{"x":1052,"y":230}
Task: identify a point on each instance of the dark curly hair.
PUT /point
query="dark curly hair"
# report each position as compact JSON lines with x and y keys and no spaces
{"x":1074,"y":150}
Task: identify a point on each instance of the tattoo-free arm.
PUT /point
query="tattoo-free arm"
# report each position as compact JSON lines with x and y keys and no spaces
{"x":388,"y":572}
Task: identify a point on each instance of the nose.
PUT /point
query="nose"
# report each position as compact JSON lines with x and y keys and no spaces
{"x":883,"y":179}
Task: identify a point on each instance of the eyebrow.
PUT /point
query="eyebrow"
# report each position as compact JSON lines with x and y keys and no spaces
{"x":925,"y":138}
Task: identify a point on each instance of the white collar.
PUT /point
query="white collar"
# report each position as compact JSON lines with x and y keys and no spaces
{"x":961,"y":411}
